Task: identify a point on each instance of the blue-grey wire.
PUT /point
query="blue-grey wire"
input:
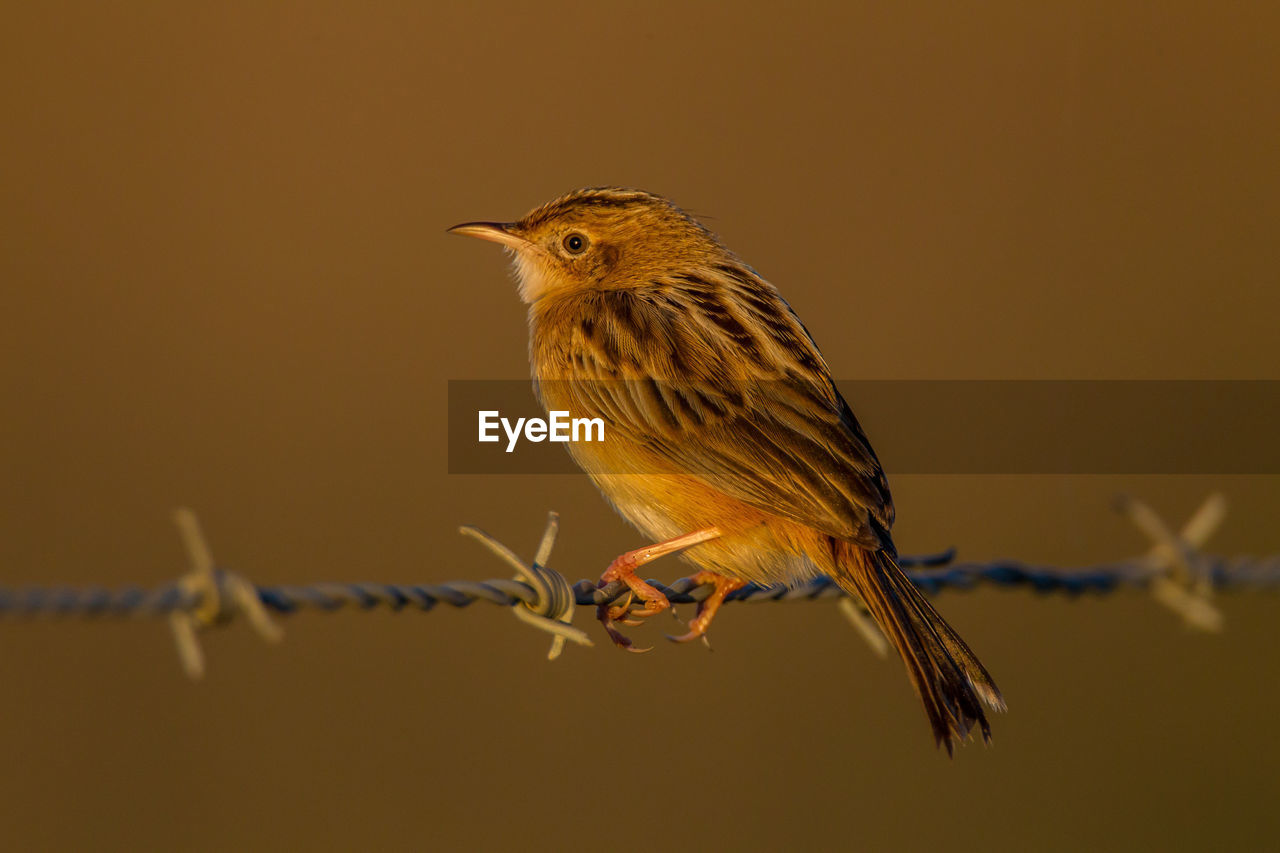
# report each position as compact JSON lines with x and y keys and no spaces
{"x":931,"y":574}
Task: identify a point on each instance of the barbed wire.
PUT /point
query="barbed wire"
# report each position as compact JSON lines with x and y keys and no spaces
{"x":1175,"y":570}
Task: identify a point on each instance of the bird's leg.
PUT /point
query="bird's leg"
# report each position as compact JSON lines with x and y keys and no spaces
{"x":708,"y":606}
{"x":624,"y":569}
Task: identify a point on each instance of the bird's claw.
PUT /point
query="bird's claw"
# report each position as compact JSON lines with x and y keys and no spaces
{"x":634,"y":618}
{"x":619,"y":639}
{"x":697,"y":631}
{"x":624,"y":612}
{"x":691,"y":634}
{"x":708,"y":607}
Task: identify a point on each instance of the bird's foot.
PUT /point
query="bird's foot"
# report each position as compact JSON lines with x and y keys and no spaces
{"x":708,"y":607}
{"x":624,"y":569}
{"x":625,"y":610}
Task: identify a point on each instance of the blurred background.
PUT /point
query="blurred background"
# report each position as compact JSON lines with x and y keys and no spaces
{"x":225,"y":284}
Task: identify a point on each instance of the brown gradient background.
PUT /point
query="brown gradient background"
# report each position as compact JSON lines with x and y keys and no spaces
{"x":226,"y":284}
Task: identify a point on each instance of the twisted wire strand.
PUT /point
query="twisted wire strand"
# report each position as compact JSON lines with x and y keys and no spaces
{"x":1224,"y":574}
{"x":1176,"y":572}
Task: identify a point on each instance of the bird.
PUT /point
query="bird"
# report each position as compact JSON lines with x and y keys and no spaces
{"x":726,"y":440}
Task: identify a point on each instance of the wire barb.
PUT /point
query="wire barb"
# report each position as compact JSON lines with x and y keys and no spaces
{"x":1183,"y":581}
{"x":860,"y":618}
{"x":218,"y":596}
{"x":553,"y":605}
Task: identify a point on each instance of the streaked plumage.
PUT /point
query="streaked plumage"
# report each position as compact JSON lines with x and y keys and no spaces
{"x":721,"y":418}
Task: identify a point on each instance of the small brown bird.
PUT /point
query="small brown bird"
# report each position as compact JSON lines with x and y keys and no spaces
{"x":726,"y":439}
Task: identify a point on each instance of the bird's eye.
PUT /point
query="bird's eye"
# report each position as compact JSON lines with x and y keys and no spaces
{"x":574,"y":243}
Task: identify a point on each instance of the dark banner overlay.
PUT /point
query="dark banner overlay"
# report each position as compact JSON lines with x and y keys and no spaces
{"x":936,"y":426}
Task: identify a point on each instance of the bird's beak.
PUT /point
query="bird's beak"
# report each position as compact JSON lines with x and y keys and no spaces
{"x":503,"y":233}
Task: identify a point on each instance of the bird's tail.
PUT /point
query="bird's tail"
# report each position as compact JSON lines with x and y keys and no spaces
{"x":951,"y":682}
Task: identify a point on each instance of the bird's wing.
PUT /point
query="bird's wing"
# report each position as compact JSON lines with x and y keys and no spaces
{"x":782,"y":439}
{"x":771,"y":444}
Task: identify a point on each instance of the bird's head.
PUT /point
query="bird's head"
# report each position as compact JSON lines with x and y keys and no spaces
{"x":596,"y":239}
